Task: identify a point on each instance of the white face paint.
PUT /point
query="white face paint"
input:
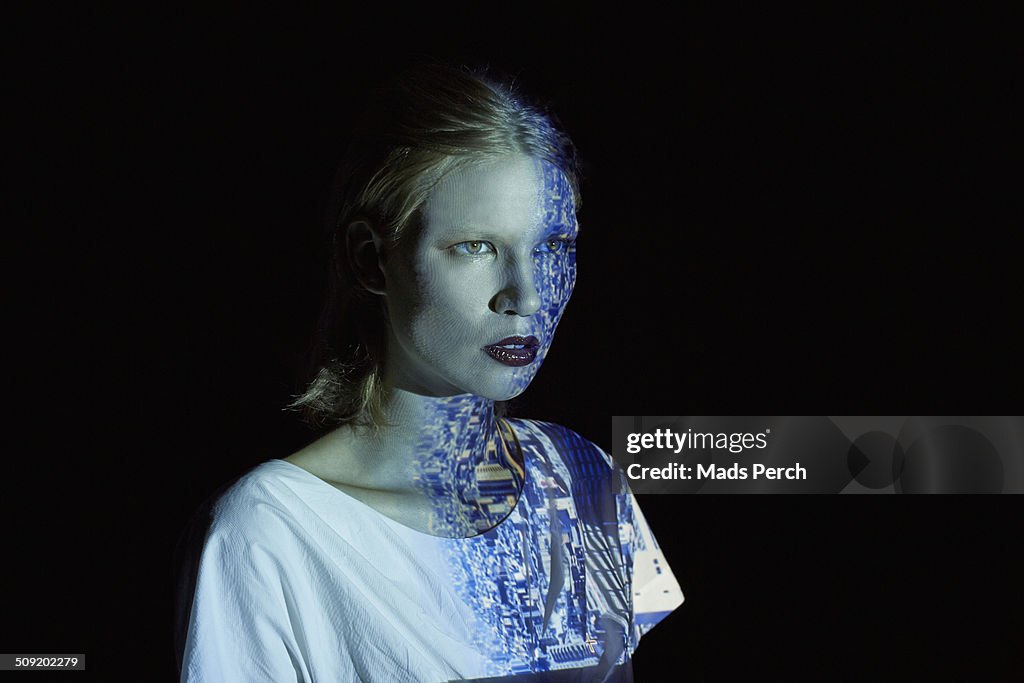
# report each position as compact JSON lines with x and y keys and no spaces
{"x":495,"y":258}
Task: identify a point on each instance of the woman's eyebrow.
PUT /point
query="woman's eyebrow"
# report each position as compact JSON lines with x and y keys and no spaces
{"x":475,"y":231}
{"x":562,"y":229}
{"x":468,"y":231}
{"x":464,"y":228}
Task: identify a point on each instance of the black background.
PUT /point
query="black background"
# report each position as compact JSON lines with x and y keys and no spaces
{"x":783,"y":214}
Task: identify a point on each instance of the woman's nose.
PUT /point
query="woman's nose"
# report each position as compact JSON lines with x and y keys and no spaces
{"x":518,"y":297}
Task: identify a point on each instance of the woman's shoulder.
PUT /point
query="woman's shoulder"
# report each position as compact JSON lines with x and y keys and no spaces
{"x":570,"y":446}
{"x":255,"y":503}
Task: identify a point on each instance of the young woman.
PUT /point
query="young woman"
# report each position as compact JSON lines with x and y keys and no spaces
{"x":425,"y":537}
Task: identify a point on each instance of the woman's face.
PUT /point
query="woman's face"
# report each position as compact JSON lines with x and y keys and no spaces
{"x":475,"y":295}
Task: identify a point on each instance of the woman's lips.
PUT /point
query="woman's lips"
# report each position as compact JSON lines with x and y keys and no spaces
{"x":514,"y":351}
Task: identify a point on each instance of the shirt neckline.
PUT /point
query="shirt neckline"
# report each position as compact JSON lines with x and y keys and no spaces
{"x":408,"y":529}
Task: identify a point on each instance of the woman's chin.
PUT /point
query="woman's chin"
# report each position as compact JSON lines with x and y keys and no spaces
{"x":503,"y":391}
{"x":508,"y":396}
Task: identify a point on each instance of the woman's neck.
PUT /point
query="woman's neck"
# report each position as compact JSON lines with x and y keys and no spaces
{"x":426,"y":436}
{"x":439,"y":450}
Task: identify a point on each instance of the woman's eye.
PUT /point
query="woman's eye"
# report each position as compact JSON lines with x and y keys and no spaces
{"x":473,"y":248}
{"x":554,"y":246}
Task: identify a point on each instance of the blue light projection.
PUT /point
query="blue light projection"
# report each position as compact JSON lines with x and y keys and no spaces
{"x":554,"y":260}
{"x":551,"y":582}
{"x":467,"y":467}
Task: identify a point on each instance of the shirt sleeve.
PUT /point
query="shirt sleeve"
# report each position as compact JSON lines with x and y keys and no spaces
{"x":655,"y":591}
{"x":240,"y":628}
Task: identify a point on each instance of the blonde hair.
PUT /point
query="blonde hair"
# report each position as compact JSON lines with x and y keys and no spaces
{"x":429,"y":121}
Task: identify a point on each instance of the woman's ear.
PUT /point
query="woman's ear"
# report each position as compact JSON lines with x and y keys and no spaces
{"x":365,"y":253}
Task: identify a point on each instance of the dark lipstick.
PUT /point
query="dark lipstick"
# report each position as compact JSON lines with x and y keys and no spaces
{"x":515,"y":351}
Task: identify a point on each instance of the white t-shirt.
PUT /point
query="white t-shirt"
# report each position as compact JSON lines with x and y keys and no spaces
{"x":299,"y":581}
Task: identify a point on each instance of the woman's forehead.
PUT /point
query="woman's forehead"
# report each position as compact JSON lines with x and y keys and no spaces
{"x":514,"y":193}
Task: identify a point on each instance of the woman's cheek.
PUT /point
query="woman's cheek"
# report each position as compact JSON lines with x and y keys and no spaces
{"x":570,"y":279}
{"x":452,"y":296}
{"x":557,"y":282}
